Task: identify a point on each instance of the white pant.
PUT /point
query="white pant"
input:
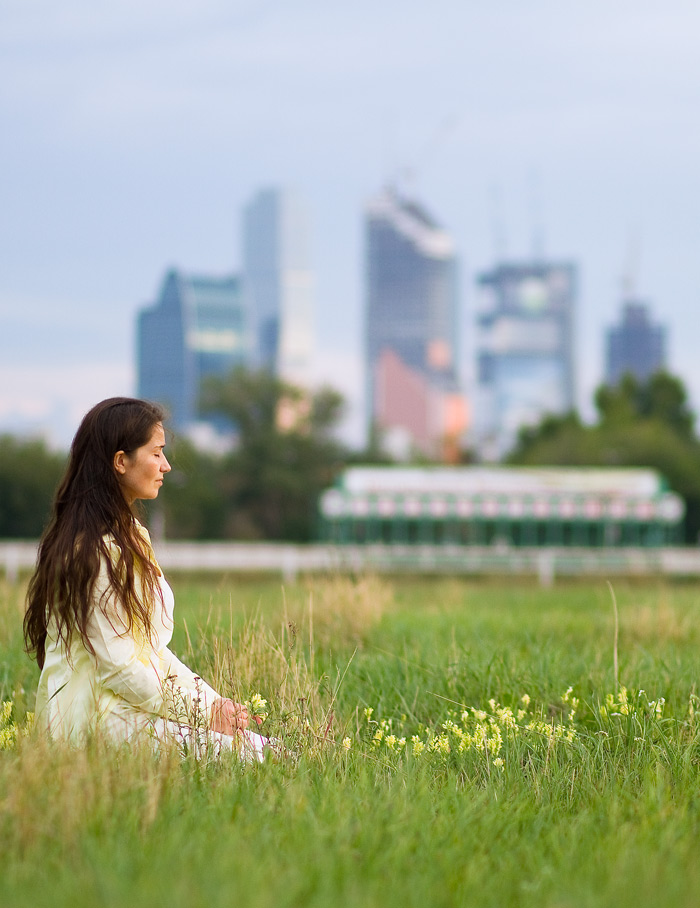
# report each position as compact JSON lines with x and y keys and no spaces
{"x":250,"y":746}
{"x":128,"y":724}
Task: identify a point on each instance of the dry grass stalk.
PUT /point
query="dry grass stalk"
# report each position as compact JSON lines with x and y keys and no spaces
{"x":660,"y":622}
{"x":51,"y":791}
{"x":341,"y":610}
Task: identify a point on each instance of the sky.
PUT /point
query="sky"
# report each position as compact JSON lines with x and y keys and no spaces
{"x":133,"y":133}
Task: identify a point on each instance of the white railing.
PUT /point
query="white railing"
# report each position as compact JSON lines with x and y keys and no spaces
{"x":291,"y":560}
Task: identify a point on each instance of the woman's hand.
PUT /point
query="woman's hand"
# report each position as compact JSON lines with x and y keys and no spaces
{"x":228,"y":717}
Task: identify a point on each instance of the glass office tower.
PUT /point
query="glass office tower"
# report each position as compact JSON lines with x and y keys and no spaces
{"x":412,"y":329}
{"x":636,"y":345}
{"x":279,"y":283}
{"x":525,"y":351}
{"x":197,"y":327}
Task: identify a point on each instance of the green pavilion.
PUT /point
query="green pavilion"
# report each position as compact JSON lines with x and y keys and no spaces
{"x":501,"y":506}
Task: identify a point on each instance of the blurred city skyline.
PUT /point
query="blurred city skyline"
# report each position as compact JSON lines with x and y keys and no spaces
{"x":135,"y":135}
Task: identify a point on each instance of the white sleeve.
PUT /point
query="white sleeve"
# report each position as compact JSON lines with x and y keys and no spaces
{"x":157,"y":683}
{"x":187,"y":683}
{"x":118,"y":667}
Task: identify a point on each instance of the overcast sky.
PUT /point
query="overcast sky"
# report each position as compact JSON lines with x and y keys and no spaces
{"x":134,"y":132}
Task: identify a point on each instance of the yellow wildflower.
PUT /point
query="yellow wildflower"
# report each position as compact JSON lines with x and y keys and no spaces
{"x":495,"y":741}
{"x":505,"y":717}
{"x":258,"y":706}
{"x":442,"y":744}
{"x":8,"y":729}
{"x":479,"y":736}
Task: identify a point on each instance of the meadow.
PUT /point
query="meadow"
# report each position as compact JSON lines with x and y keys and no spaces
{"x":448,"y":742}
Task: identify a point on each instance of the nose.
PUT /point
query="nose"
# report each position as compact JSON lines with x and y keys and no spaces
{"x":164,"y":465}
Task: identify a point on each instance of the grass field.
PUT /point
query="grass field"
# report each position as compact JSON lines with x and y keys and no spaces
{"x":454,"y":743}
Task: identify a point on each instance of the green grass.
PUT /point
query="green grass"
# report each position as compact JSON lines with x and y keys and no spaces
{"x":611,"y":817}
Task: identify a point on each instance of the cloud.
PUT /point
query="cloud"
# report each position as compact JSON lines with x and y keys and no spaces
{"x":50,"y":401}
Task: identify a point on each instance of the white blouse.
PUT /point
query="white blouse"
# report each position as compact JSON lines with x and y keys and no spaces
{"x":128,"y":683}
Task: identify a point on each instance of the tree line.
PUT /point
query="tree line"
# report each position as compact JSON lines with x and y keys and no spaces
{"x":638,"y":424}
{"x":267,"y":486}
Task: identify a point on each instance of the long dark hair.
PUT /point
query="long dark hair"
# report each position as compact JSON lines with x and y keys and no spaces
{"x":88,"y":509}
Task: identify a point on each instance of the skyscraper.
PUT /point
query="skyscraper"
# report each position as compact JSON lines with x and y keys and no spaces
{"x":525,"y":358}
{"x":412,"y":328}
{"x":196,"y":328}
{"x":636,"y":345}
{"x":278,"y":283}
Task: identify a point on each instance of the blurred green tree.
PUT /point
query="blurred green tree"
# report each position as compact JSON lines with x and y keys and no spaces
{"x":286,"y":453}
{"x":190,"y":504}
{"x":29,"y":475}
{"x":645,"y":424}
{"x":662,"y":397}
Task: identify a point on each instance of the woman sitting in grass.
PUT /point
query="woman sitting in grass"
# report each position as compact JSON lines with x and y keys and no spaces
{"x":99,"y":610}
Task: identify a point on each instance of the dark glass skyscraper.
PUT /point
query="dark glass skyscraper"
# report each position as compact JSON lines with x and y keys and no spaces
{"x":412,"y":328}
{"x":637,"y":345}
{"x":197,"y":327}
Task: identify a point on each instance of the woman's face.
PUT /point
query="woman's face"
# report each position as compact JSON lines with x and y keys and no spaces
{"x":140,"y":474}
